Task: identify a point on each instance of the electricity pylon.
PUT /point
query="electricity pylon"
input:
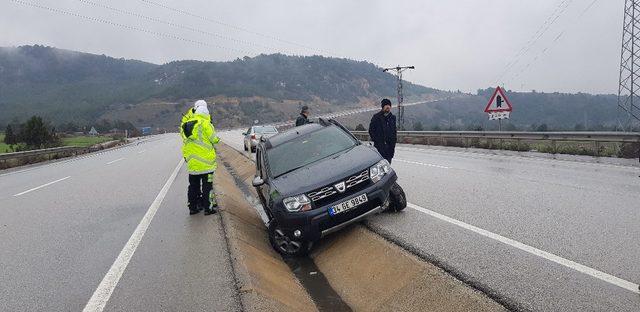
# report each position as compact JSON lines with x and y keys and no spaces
{"x":398,"y":70}
{"x":629,"y":83}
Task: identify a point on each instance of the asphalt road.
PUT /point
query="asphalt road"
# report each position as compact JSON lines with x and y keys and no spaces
{"x":538,"y":234}
{"x":65,"y":225}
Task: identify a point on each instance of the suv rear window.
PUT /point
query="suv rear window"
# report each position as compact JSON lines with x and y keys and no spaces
{"x":308,"y":149}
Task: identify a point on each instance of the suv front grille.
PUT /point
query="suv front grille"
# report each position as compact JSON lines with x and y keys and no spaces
{"x":357,"y":179}
{"x":322,"y":193}
{"x":352,"y":184}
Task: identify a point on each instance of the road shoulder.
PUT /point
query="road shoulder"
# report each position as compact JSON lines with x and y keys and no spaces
{"x":265,"y":282}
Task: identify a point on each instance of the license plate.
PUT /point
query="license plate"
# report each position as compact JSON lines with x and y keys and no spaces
{"x":349,"y":204}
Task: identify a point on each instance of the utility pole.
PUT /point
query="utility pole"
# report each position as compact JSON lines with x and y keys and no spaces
{"x":629,"y":86}
{"x":398,"y":70}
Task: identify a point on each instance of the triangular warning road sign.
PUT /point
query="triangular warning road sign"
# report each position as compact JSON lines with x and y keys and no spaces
{"x":498,"y":102}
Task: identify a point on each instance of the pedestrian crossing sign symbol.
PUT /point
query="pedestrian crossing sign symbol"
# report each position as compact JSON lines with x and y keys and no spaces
{"x":498,"y":106}
{"x":498,"y":102}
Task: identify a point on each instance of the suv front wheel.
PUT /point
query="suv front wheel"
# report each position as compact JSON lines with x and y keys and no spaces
{"x":397,"y":198}
{"x":286,"y":245}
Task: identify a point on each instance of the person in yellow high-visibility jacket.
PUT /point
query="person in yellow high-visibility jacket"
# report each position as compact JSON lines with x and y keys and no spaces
{"x":199,"y":137}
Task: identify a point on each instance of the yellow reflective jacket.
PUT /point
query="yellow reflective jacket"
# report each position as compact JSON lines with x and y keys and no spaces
{"x":199,"y":137}
{"x":185,"y":117}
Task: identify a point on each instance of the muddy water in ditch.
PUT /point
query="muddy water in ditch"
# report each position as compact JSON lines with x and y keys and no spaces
{"x":316,"y":284}
{"x":305,"y":270}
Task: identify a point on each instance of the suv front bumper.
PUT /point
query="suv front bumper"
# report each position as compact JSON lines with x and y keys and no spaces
{"x":317,"y":223}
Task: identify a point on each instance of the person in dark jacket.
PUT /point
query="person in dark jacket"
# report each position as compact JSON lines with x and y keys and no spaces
{"x":303,"y":119}
{"x":382,"y":131}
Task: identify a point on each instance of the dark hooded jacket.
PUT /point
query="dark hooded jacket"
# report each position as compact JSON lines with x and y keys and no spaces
{"x":302,"y":120}
{"x":382,"y":131}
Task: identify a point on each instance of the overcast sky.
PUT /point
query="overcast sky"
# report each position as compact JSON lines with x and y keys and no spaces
{"x":552,"y":45}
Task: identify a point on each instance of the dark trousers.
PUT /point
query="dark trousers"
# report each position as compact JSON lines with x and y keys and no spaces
{"x":387,"y":151}
{"x":200,"y":191}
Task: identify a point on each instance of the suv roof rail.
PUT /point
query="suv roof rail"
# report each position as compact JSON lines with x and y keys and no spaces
{"x":324,"y":122}
{"x":339,"y":125}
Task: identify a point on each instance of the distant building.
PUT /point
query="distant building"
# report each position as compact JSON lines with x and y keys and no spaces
{"x":93,"y":131}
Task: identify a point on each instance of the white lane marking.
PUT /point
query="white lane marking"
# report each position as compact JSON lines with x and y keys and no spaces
{"x":535,"y":251}
{"x":422,"y":164}
{"x":488,"y":155}
{"x":108,"y":284}
{"x":111,"y":162}
{"x":142,"y":151}
{"x":41,"y":186}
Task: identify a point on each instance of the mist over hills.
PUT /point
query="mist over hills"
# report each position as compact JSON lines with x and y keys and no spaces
{"x":532,"y":111}
{"x":67,"y":86}
{"x":72,"y":87}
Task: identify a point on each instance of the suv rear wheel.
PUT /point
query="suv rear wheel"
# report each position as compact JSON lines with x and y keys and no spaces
{"x":284,"y":244}
{"x":398,"y":200}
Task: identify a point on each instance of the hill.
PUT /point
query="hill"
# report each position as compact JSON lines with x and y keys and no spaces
{"x":66,"y":86}
{"x":72,"y":89}
{"x":532,"y":111}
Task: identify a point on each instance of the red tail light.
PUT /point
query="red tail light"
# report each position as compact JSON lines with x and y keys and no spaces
{"x":253,"y":136}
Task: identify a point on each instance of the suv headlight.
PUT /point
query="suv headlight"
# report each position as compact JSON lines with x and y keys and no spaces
{"x":297,"y":203}
{"x":377,"y":171}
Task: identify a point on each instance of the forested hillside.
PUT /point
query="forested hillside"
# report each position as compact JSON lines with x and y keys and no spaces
{"x":74,"y":90}
{"x":65,"y":86}
{"x":532,"y":111}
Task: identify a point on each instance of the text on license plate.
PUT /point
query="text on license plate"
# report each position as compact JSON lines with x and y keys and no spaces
{"x":349,"y":204}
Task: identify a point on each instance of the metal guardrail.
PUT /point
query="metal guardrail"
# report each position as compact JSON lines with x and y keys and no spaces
{"x":619,"y":137}
{"x":431,"y":137}
{"x":348,"y":112}
{"x":49,"y":153}
{"x":42,"y":152}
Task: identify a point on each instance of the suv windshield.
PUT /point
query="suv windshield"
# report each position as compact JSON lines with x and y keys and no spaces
{"x":265,"y":129}
{"x":308,"y":149}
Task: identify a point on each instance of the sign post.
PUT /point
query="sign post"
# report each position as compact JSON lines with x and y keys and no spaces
{"x":498,"y":107}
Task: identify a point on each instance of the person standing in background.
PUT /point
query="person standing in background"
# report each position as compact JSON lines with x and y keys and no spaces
{"x":382,"y":130}
{"x":303,"y":119}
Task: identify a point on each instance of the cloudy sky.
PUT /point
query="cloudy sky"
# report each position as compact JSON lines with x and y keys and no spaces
{"x":546,"y":45}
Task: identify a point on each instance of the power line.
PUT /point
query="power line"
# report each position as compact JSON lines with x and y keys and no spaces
{"x":128,"y":27}
{"x":555,"y":41}
{"x":524,"y":47}
{"x":210,"y":20}
{"x":555,"y":15}
{"x":153,"y":19}
{"x":533,"y":40}
{"x":538,"y":34}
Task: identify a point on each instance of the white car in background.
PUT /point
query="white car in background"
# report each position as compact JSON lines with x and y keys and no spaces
{"x":252,"y":136}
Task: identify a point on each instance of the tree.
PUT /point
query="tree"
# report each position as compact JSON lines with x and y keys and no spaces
{"x":9,"y":136}
{"x":417,"y":126}
{"x":510,"y":127}
{"x":36,"y":133}
{"x":543,"y":127}
{"x":360,"y":127}
{"x":69,"y":127}
{"x":474,"y":128}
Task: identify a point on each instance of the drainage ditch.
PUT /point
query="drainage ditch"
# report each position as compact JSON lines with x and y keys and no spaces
{"x":304,"y":268}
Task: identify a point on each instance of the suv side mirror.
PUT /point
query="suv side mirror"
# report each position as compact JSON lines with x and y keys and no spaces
{"x":257,"y":181}
{"x":244,"y":133}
